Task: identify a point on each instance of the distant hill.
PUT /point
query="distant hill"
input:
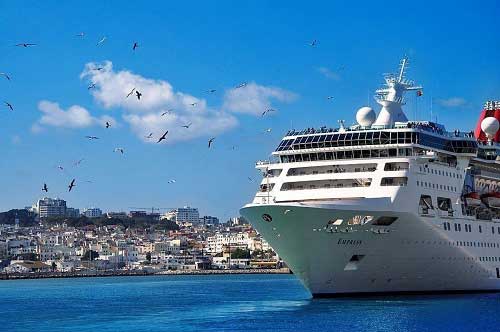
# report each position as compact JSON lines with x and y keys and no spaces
{"x":26,"y":218}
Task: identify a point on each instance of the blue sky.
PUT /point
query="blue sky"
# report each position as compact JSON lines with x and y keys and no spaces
{"x":187,"y":48}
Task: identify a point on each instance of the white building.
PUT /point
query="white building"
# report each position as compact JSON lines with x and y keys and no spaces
{"x":219,"y":241}
{"x":92,"y":212}
{"x":50,"y":207}
{"x":184,"y":214}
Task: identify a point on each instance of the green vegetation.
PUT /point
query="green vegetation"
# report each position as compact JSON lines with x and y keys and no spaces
{"x":240,"y":253}
{"x":25,"y":217}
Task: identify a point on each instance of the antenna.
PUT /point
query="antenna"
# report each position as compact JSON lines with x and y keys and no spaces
{"x":404,"y":62}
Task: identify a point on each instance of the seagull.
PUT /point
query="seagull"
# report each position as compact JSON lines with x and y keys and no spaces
{"x":45,"y":188}
{"x":164,"y":136}
{"x":99,"y":68}
{"x":138,"y":94}
{"x":81,"y":34}
{"x":119,"y":150}
{"x":149,"y":136}
{"x":166,"y":112}
{"x":268,"y":130}
{"x":60,"y":167}
{"x":241,"y":85}
{"x":194,"y":104}
{"x":91,"y":86}
{"x":267,"y":111}
{"x":313,"y":43}
{"x":187,"y":126}
{"x":249,"y":179}
{"x":9,"y":105}
{"x":71,"y":185}
{"x":210,"y":141}
{"x":78,"y":162}
{"x":286,"y":211}
{"x":25,"y":44}
{"x":107,"y":125}
{"x":130,"y":93}
{"x":103,"y":39}
{"x":329,"y":97}
{"x":171,"y":181}
{"x":136,"y":45}
{"x":6,"y":76}
{"x":92,"y":137}
{"x":211,"y":91}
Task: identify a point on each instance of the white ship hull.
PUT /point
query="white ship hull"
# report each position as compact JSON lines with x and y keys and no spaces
{"x":414,"y":254}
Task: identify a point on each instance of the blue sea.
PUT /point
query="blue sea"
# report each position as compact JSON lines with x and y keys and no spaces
{"x":227,"y":303}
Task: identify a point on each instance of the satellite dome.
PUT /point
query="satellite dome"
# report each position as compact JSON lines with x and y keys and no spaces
{"x":490,"y":126}
{"x":366,"y":116}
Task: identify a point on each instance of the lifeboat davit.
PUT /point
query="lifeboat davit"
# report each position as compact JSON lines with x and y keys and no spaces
{"x":492,"y":199}
{"x":472,"y":199}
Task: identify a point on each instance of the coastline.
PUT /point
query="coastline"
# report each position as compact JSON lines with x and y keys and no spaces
{"x":111,"y":273}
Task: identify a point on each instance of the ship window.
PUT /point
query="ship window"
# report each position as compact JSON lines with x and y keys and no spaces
{"x":425,"y":204}
{"x":480,"y":229}
{"x":384,"y":221}
{"x":394,"y":181}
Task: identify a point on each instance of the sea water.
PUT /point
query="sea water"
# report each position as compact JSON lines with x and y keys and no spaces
{"x":227,"y":303}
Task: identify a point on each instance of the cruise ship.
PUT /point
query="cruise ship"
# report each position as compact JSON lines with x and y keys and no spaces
{"x":387,"y":205}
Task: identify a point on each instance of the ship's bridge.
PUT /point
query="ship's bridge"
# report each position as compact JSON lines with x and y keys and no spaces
{"x":369,"y":142}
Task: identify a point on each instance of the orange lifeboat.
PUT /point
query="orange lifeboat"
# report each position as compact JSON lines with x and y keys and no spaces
{"x":472,"y":199}
{"x":492,"y":199}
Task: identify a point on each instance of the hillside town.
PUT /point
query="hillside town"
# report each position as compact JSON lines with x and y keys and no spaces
{"x":52,"y":238}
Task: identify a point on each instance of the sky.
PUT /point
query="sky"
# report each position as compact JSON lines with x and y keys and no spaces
{"x":68,"y":86}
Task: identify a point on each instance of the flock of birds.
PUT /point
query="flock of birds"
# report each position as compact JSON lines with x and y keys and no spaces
{"x":138,"y":95}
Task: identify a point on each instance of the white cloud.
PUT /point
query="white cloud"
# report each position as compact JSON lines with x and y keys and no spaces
{"x":74,"y":117}
{"x":452,"y":102}
{"x":255,"y":99}
{"x":328,"y":73}
{"x":144,"y":115}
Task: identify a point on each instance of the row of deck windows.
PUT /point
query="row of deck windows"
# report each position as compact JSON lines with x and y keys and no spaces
{"x":468,"y":228}
{"x":440,"y":172}
{"x":436,"y":186}
{"x":349,"y":154}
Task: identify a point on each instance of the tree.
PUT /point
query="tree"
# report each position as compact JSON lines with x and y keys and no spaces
{"x":148,"y":257}
{"x":90,"y":255}
{"x":240,"y":253}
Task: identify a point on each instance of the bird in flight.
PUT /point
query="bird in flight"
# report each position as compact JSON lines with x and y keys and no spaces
{"x":249,"y":179}
{"x":268,"y":111}
{"x":130,"y":93}
{"x":45,"y":188}
{"x":136,"y":45}
{"x":268,"y":130}
{"x":188,"y":125}
{"x":194,"y":104}
{"x":121,"y":150}
{"x":9,"y":105}
{"x":329,"y":97}
{"x":98,"y":68}
{"x":164,"y":136}
{"x":60,"y":167}
{"x":241,"y":85}
{"x":210,"y":141}
{"x":6,"y":76}
{"x":171,"y":181}
{"x":138,"y":94}
{"x":92,"y":137}
{"x":108,"y":125}
{"x":25,"y":44}
{"x":81,"y":34}
{"x":103,"y":39}
{"x":71,"y":185}
{"x":78,"y":162}
{"x":211,"y":91}
{"x":313,"y":43}
{"x":166,"y":112}
{"x":149,"y":136}
{"x":91,"y":86}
